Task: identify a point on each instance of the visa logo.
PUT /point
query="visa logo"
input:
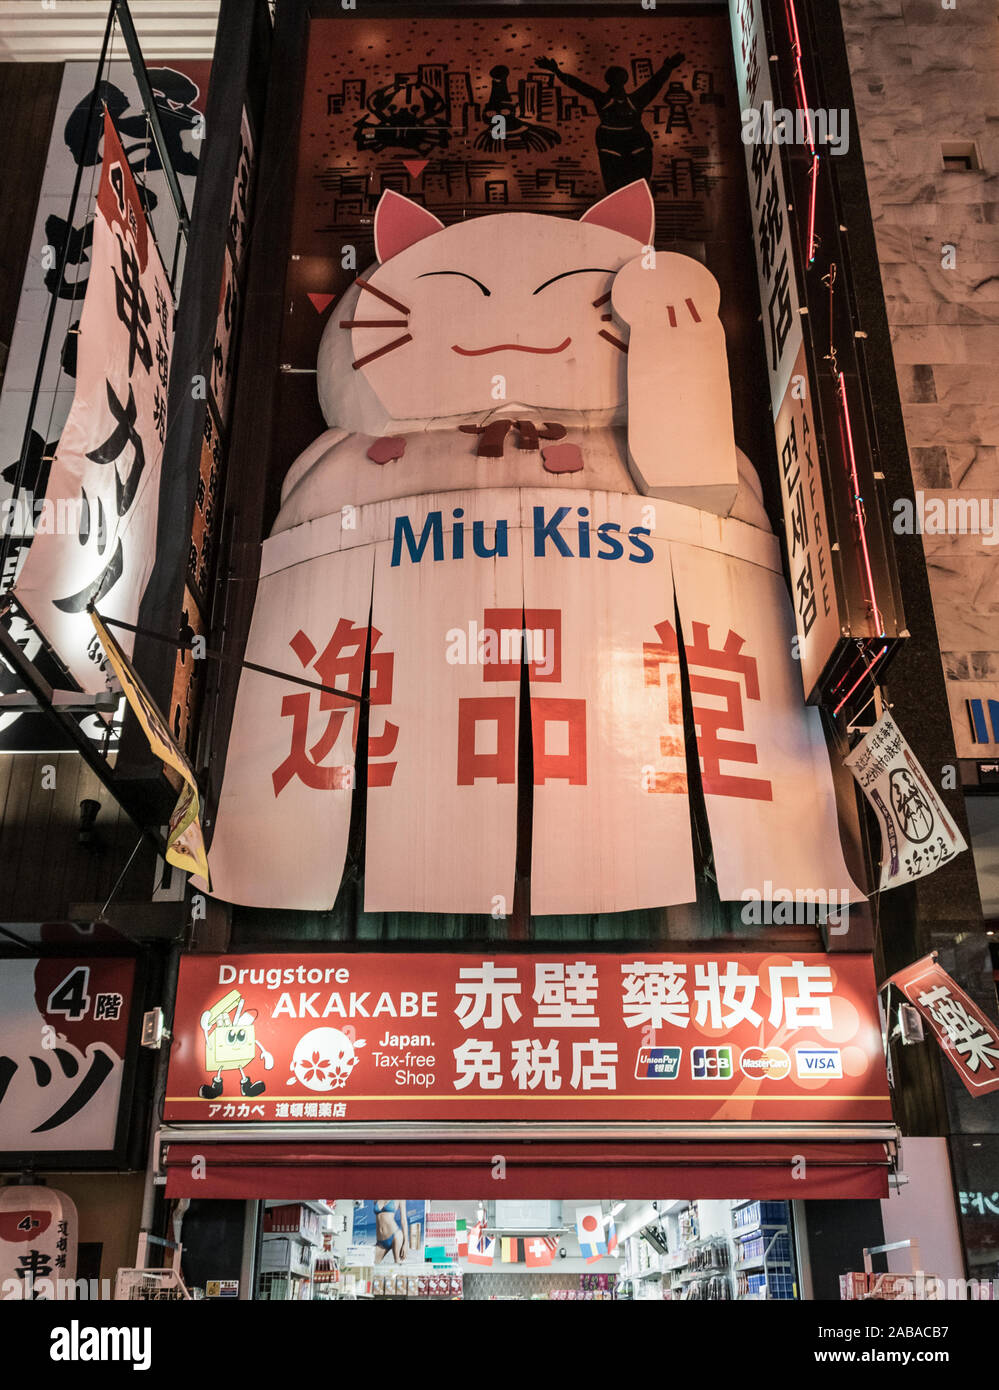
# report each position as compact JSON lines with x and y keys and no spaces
{"x":818,"y":1061}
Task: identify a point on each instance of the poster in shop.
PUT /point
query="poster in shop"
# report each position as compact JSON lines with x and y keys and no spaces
{"x":917,"y":834}
{"x":454,"y":1037}
{"x":39,"y":1231}
{"x":394,"y":1226}
{"x":63,"y":1033}
{"x":105,"y":475}
{"x":968,"y":1037}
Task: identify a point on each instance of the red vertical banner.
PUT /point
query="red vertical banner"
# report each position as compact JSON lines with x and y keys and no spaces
{"x":969,"y":1039}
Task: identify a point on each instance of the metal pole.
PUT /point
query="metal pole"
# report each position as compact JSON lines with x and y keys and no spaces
{"x":149,"y":102}
{"x":42,"y":691}
{"x":212,"y":655}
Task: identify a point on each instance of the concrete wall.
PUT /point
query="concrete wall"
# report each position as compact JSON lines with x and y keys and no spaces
{"x":925,"y":76}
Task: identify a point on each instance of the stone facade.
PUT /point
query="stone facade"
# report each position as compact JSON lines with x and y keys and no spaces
{"x":925,"y":83}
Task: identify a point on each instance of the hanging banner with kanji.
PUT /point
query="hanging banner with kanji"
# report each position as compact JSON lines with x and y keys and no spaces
{"x":917,"y":834}
{"x":284,"y":813}
{"x":967,"y":1036}
{"x":806,"y":529}
{"x":610,"y":785}
{"x":104,"y":483}
{"x":185,"y":845}
{"x":39,"y":1231}
{"x":442,"y":746}
{"x":647,"y":1036}
{"x":63,"y":1035}
{"x":453,"y":618}
{"x":764,"y":765}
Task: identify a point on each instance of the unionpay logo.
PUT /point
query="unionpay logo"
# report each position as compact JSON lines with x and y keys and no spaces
{"x":770,"y":1062}
{"x":818,"y":1061}
{"x":658,"y":1063}
{"x":711,"y":1063}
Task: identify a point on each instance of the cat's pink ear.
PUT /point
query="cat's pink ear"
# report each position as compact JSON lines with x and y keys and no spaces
{"x":629,"y":210}
{"x":400,"y":223}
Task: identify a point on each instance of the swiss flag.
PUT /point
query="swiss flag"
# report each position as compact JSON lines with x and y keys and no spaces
{"x":539,"y":1250}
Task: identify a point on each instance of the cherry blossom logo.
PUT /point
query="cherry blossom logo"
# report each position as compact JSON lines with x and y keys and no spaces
{"x":324,"y":1059}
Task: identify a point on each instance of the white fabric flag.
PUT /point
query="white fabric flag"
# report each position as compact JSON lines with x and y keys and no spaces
{"x":611,"y":819}
{"x":442,"y":834}
{"x":95,"y":540}
{"x":281,"y":830}
{"x":917,"y":834}
{"x":768,"y":786}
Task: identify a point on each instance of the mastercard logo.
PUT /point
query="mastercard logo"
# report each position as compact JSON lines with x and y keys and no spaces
{"x":771,"y":1062}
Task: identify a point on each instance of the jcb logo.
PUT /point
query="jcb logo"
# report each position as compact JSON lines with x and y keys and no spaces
{"x":711,"y":1063}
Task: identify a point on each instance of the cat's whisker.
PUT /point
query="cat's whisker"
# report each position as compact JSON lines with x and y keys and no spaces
{"x":379,"y":294}
{"x":611,"y":339}
{"x":602,"y":300}
{"x":374,"y":323}
{"x":380,"y":352}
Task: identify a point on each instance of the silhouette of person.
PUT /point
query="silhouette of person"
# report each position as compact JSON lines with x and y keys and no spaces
{"x":624,"y":146}
{"x":519,"y":134}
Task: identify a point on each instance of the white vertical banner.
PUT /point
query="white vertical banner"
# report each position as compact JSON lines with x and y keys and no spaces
{"x":441,"y":834}
{"x":918,"y":836}
{"x":284,"y":812}
{"x":97,"y":542}
{"x":765,"y":770}
{"x":611,"y":819}
{"x":772,"y":232}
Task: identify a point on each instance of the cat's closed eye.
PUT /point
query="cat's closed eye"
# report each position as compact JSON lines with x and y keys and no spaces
{"x":427,"y":273}
{"x":584,"y":270}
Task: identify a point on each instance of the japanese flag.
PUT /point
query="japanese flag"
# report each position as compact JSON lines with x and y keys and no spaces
{"x":590,"y":1230}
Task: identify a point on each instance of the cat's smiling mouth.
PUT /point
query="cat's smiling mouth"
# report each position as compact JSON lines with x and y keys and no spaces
{"x":509,"y":347}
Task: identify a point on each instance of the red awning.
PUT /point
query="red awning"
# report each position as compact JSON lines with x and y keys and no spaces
{"x":607,"y":1169}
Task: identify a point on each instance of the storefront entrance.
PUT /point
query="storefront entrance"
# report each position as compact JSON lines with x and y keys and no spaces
{"x":502,"y":1250}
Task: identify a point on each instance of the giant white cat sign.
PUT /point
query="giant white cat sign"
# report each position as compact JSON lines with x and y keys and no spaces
{"x":456,"y":547}
{"x":104,"y":483}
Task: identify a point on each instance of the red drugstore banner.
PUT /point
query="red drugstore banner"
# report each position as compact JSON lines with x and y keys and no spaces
{"x":471,"y":1037}
{"x":969,"y":1038}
